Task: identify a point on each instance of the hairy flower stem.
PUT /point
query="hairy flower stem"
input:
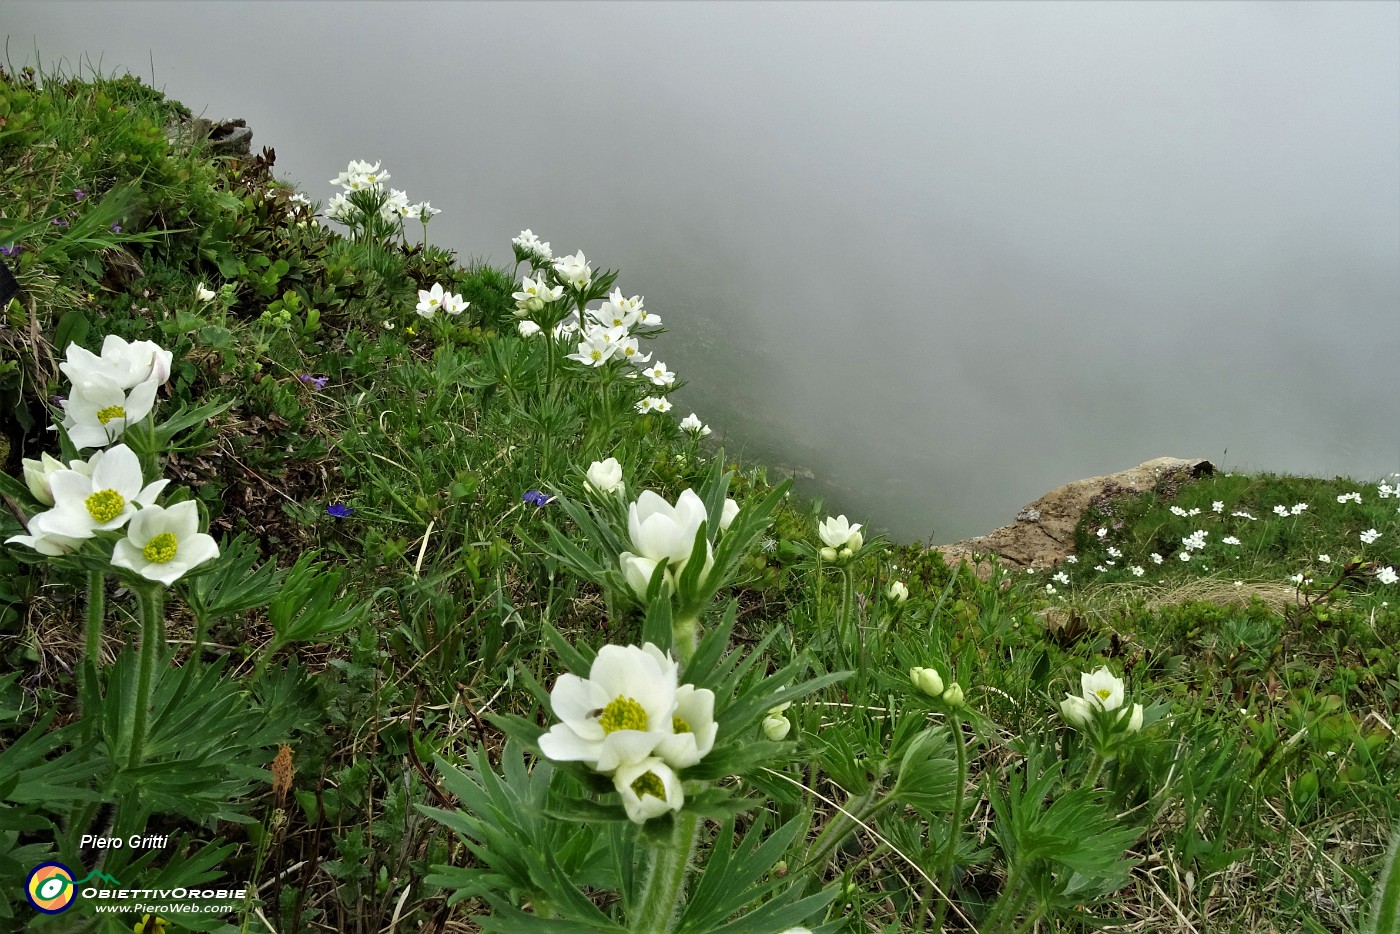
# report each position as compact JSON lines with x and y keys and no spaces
{"x":685,"y":634}
{"x":96,"y":608}
{"x":848,"y":629}
{"x":955,"y":819}
{"x":857,"y":809}
{"x":152,"y":638}
{"x":665,"y":886}
{"x":1096,"y":765}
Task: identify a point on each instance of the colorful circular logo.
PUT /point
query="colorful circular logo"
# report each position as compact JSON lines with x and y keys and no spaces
{"x":50,"y":888}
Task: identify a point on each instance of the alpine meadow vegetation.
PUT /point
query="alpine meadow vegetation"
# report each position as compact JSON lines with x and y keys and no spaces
{"x":351,"y":588}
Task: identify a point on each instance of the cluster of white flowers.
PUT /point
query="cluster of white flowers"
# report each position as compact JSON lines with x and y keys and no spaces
{"x":431,"y":301}
{"x":1178,"y":511}
{"x":1369,"y":536}
{"x":631,"y":720}
{"x":1100,"y":693}
{"x":1354,"y":497}
{"x":664,"y":536}
{"x":361,"y":176}
{"x":691,"y":423}
{"x":108,"y":492}
{"x":528,"y":246}
{"x":1196,"y":541}
{"x":841,"y":538}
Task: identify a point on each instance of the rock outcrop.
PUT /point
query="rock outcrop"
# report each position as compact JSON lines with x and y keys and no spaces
{"x":1043,"y":533}
{"x":224,"y":138}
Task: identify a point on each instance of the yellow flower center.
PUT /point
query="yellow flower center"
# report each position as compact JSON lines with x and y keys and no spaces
{"x":161,"y":549}
{"x":623,"y":713}
{"x":1103,"y":694}
{"x":596,"y":354}
{"x":110,"y":412}
{"x":105,"y":505}
{"x":680,"y":726}
{"x":649,"y":784}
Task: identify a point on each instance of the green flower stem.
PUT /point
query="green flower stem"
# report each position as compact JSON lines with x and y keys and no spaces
{"x":152,"y":601}
{"x":949,"y":861}
{"x":685,"y":633}
{"x":665,"y":885}
{"x":96,"y":609}
{"x":1006,"y":907}
{"x":848,"y":627}
{"x":1096,"y":765}
{"x":857,"y":809}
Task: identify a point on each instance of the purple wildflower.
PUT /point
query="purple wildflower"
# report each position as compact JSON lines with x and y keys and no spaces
{"x":79,"y":194}
{"x":11,"y":249}
{"x":58,"y":222}
{"x":317,"y":382}
{"x":536,"y":498}
{"x":339,"y":511}
{"x":116,"y":228}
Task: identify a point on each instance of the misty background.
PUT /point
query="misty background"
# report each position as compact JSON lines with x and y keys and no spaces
{"x":945,"y":256}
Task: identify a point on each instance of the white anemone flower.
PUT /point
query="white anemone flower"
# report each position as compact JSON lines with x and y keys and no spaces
{"x":528,"y":328}
{"x":126,"y":364}
{"x":838,"y":532}
{"x":649,"y":788}
{"x":163,"y":544}
{"x":44,"y":541}
{"x":453,"y":304}
{"x":534,"y":294}
{"x":203,"y":294}
{"x":618,"y":714}
{"x":638,"y":571}
{"x":659,"y":375}
{"x":660,"y":531}
{"x":1102,"y":688}
{"x":604,"y":476}
{"x":1076,"y":711}
{"x":98,"y":411}
{"x":898,"y":592}
{"x":692,"y":423}
{"x":38,"y":472}
{"x":693,"y":725}
{"x":107,"y":499}
{"x":430,"y":300}
{"x":574,"y":270}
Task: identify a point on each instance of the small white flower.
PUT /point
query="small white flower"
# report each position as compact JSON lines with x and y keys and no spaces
{"x":1101,"y":532}
{"x":1156,"y":558}
{"x":1071,"y":559}
{"x":574,"y":270}
{"x":1280,"y":510}
{"x":1178,"y":511}
{"x":659,"y":375}
{"x":1100,"y":686}
{"x":1229,"y":540}
{"x":1369,"y":536}
{"x":100,"y":501}
{"x":528,"y":328}
{"x":838,"y":532}
{"x":898,"y":592}
{"x":693,"y":424}
{"x":1386,"y":575}
{"x":1062,"y":578}
{"x":617,"y":715}
{"x":649,"y":788}
{"x":1137,"y":570}
{"x":1114,"y":552}
{"x":162,"y":544}
{"x":430,"y":300}
{"x":1296,"y":578}
{"x":453,"y":304}
{"x":1325,"y":559}
{"x":1185,"y":556}
{"x":1101,"y":569}
{"x":1218,"y":506}
{"x":1298,"y":509}
{"x":203,"y":294}
{"x":605,"y":476}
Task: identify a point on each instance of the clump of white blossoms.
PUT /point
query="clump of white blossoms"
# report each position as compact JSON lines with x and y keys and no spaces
{"x":663,"y":536}
{"x":631,"y":720}
{"x":362,"y":197}
{"x":692,"y":424}
{"x":1101,"y":693}
{"x":111,"y":391}
{"x":431,"y":301}
{"x":841,"y":538}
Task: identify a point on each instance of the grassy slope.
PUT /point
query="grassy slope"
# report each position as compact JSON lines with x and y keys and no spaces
{"x":1275,"y":706}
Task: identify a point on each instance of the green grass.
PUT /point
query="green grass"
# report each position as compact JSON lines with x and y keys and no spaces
{"x":1260,"y":795}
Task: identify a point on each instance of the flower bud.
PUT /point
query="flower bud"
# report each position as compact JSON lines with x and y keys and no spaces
{"x":828,"y":555}
{"x":953,"y":696}
{"x":845,"y":553}
{"x":1076,"y":711}
{"x":776,"y":728}
{"x":927,"y":680}
{"x":36,"y":476}
{"x":855,"y":541}
{"x":605,"y":476}
{"x":727,"y":514}
{"x":898,"y":592}
{"x":1134,"y":718}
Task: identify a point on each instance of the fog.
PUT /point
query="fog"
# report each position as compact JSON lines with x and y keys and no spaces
{"x":944,"y":256}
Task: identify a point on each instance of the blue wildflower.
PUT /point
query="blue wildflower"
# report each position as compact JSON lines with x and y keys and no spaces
{"x":339,"y":511}
{"x":536,"y":498}
{"x":316,"y":382}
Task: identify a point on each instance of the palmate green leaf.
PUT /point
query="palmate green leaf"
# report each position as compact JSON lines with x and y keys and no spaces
{"x":307,"y":608}
{"x":233,"y":585}
{"x":186,"y":418}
